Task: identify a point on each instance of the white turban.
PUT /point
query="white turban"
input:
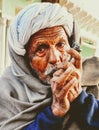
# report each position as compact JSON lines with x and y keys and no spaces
{"x":35,"y":17}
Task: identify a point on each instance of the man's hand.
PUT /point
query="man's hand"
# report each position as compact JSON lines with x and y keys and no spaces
{"x":66,"y":83}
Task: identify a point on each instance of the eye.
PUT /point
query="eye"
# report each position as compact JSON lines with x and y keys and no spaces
{"x":41,"y":50}
{"x":60,"y":46}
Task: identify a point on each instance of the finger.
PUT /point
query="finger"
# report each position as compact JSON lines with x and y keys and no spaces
{"x":76,"y":73}
{"x":78,"y":89}
{"x":63,"y":65}
{"x":76,"y":56}
{"x":70,"y":96}
{"x":73,"y":93}
{"x":72,"y":61}
{"x":58,"y":82}
{"x":67,"y":87}
{"x":58,"y":72}
{"x":64,"y":77}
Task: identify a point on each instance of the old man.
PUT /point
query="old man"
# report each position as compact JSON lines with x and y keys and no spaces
{"x":44,"y":77}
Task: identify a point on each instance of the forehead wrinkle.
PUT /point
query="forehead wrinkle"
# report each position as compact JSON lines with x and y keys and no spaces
{"x":48,"y":39}
{"x":49,"y":33}
{"x":52,"y":31}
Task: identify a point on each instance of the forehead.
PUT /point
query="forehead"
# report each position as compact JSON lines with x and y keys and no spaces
{"x":50,"y":32}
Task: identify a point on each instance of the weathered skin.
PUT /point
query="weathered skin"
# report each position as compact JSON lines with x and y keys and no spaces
{"x":56,"y":63}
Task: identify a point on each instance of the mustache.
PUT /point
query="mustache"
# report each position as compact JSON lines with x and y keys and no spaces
{"x":53,"y":68}
{"x":50,"y":70}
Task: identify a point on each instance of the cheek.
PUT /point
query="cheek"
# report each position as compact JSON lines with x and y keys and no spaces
{"x":39,"y":63}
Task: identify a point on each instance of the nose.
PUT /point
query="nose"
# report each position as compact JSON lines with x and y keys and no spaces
{"x":54,"y":56}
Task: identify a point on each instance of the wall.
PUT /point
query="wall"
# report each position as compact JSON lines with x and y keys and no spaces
{"x":9,"y":6}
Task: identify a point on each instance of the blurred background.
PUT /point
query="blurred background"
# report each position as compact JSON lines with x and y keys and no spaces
{"x":86,"y":13}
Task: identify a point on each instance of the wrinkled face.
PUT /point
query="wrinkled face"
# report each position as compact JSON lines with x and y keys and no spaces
{"x":47,"y":48}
